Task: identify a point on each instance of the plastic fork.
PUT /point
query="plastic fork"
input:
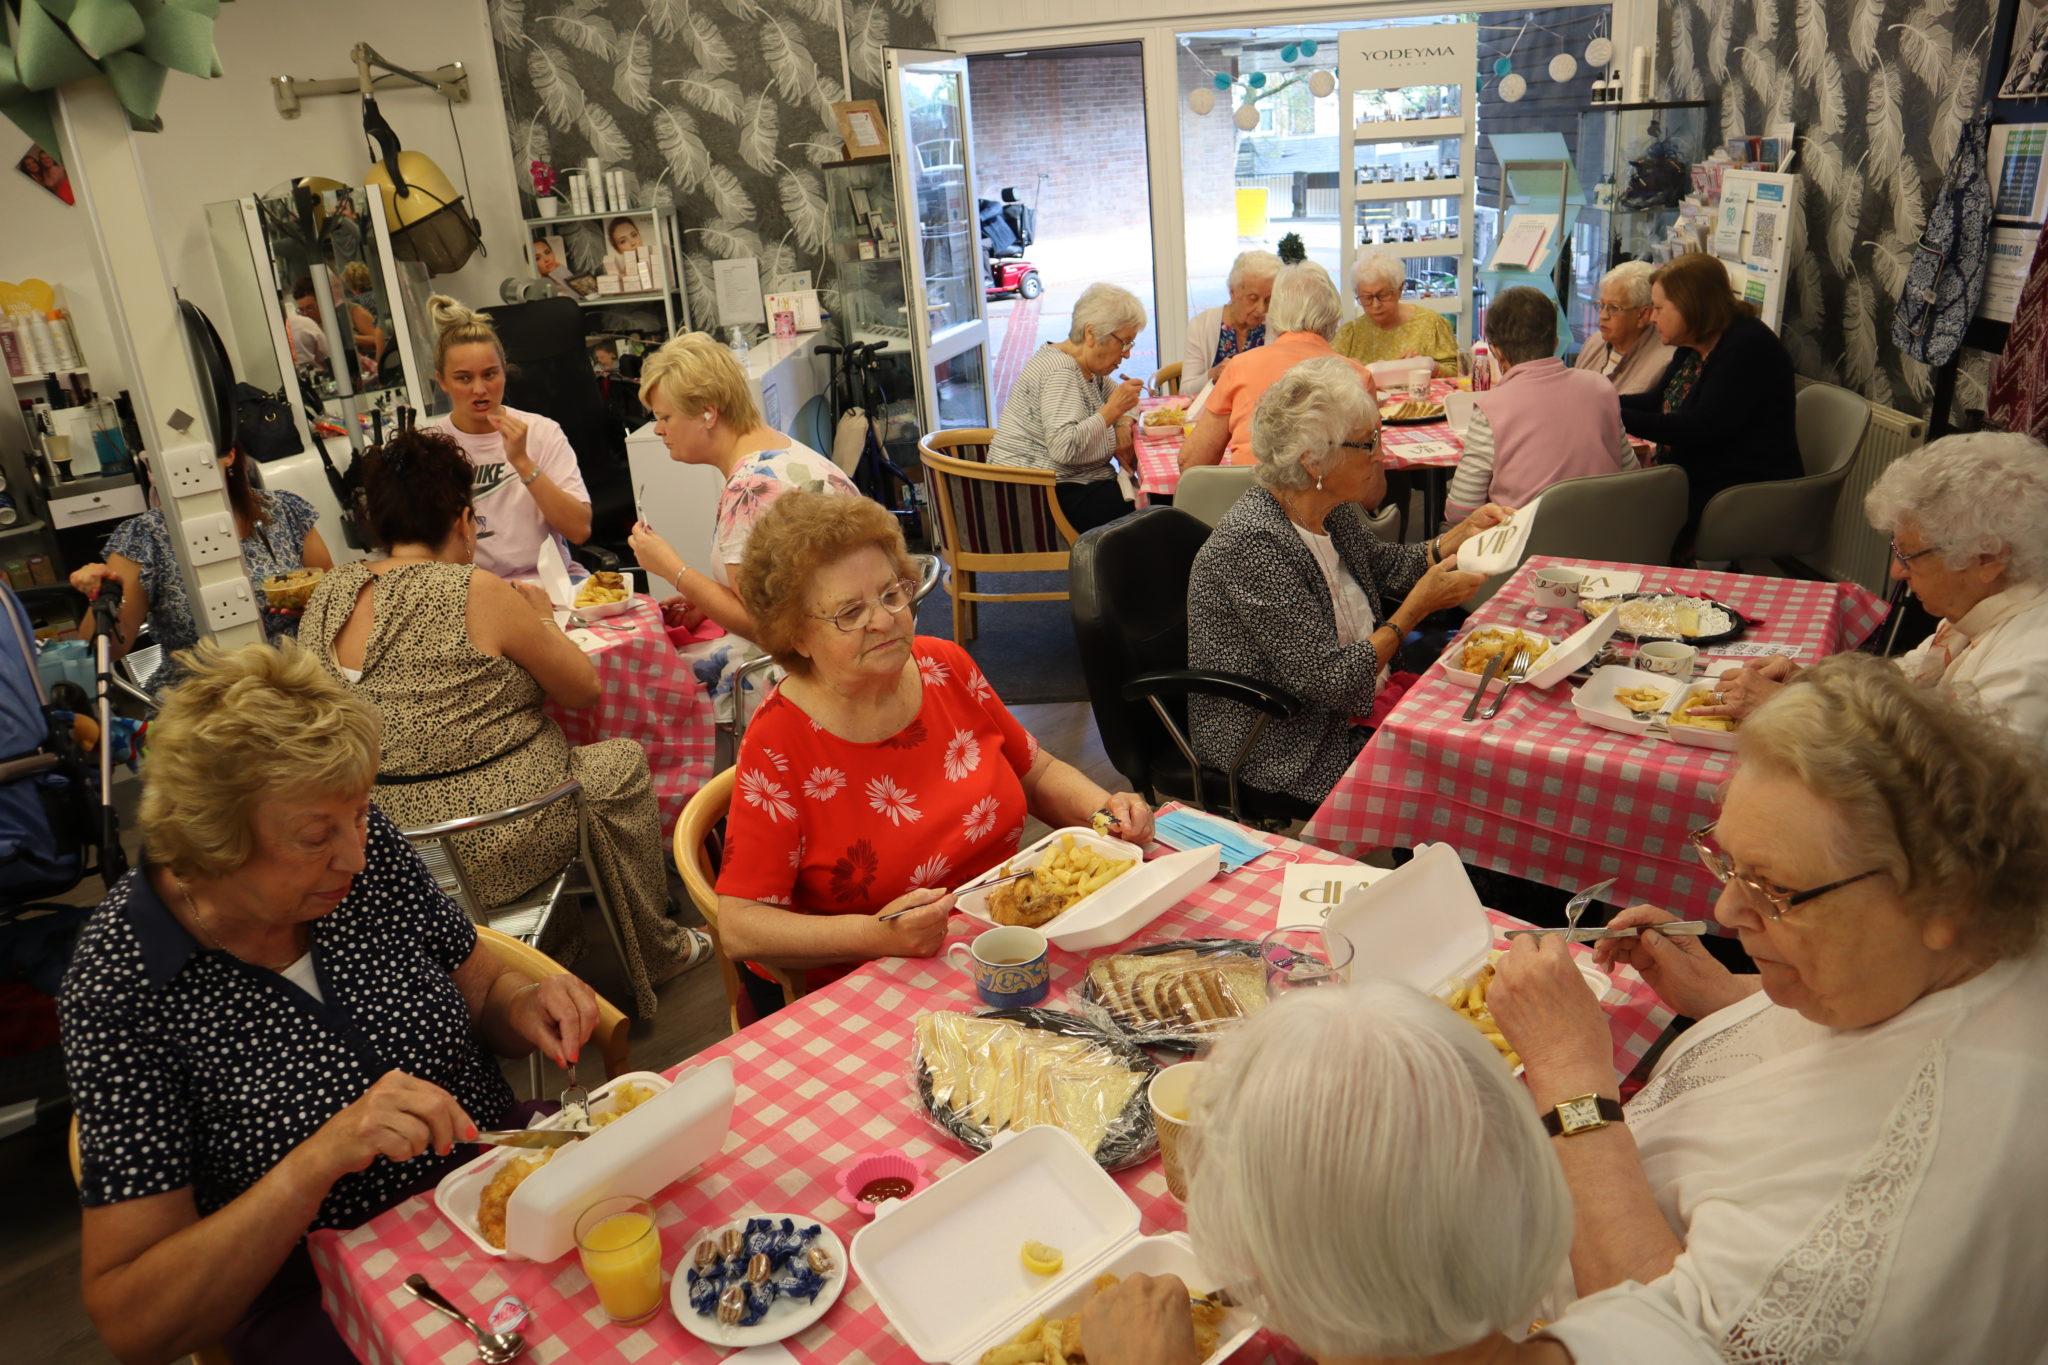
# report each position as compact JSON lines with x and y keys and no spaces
{"x":1517,"y":671}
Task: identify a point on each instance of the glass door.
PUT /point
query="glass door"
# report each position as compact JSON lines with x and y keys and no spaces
{"x":929,"y":132}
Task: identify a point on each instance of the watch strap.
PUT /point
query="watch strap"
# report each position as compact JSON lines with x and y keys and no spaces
{"x":1610,"y":1110}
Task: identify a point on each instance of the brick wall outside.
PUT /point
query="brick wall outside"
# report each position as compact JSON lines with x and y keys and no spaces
{"x":1081,"y":118}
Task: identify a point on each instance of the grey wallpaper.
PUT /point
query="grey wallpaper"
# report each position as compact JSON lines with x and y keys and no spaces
{"x":723,"y":104}
{"x":1880,"y":90}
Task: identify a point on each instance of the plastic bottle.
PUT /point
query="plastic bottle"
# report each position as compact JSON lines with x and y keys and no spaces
{"x":66,"y":343}
{"x":45,"y":343}
{"x":1482,"y":367}
{"x":737,"y":339}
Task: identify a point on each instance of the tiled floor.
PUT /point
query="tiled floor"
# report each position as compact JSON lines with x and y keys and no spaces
{"x":40,"y":1311}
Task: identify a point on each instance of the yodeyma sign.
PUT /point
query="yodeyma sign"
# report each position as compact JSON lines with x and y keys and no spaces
{"x":1409,"y":54}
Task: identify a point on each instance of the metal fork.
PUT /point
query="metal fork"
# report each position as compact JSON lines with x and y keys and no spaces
{"x":1576,"y":906}
{"x":575,"y":1099}
{"x":1517,"y":671}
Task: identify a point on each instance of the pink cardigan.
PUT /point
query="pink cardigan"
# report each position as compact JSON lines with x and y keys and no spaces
{"x":1541,"y":423}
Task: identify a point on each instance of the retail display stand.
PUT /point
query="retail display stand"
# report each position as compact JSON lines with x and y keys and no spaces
{"x":1542,"y":198}
{"x":1383,"y":74}
{"x":1755,"y":227}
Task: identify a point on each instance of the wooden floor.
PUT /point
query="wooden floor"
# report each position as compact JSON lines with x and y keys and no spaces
{"x":41,"y":1316}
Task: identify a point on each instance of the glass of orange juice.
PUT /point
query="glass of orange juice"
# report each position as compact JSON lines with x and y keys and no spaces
{"x":620,"y":1247}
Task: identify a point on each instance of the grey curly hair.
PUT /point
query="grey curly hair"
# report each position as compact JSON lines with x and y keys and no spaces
{"x":1931,"y":790}
{"x":1968,"y":495}
{"x":1105,"y":307}
{"x":1253,"y":265}
{"x":1304,"y":300}
{"x":1632,"y":278}
{"x":1304,"y":414}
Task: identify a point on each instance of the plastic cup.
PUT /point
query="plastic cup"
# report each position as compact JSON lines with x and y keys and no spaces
{"x":620,"y":1247}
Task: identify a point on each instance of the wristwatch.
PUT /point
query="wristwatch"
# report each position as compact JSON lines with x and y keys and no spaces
{"x":1583,"y":1115}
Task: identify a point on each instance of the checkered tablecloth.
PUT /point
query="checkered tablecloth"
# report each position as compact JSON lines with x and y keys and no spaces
{"x":819,"y":1083}
{"x":649,"y":696}
{"x":1537,"y":792}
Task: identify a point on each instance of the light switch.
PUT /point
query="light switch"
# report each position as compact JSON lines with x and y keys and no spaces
{"x":210,"y":539}
{"x":228,"y":603}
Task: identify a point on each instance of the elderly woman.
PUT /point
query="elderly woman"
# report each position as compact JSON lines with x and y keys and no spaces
{"x":883,"y":770}
{"x":704,"y":412}
{"x":1303,"y":319}
{"x":1541,"y":422}
{"x":1968,"y":517}
{"x":1217,"y":334}
{"x":276,"y":1023}
{"x":1342,"y":1211}
{"x":1841,"y":1159}
{"x":1628,"y":352}
{"x":1723,"y":411}
{"x":1292,"y":589}
{"x":459,"y":664}
{"x":1063,"y":414}
{"x":1391,"y":329}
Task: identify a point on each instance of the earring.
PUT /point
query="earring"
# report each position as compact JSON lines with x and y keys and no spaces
{"x":1319,"y":483}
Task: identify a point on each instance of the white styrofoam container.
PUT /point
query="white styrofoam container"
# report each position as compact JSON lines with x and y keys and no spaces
{"x":1457,"y":647}
{"x":647,"y":1150}
{"x":1699,"y":736}
{"x":944,"y":1265}
{"x":1578,"y":647}
{"x":1119,"y":909}
{"x":1421,"y":923}
{"x":1595,"y":701}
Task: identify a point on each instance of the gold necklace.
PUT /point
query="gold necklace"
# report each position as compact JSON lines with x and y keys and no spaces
{"x":213,"y":939}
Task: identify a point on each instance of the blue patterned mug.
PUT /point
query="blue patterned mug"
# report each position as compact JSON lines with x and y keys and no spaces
{"x":1009,"y":966}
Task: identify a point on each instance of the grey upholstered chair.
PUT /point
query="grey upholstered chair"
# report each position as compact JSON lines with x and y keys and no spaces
{"x":1632,"y":517}
{"x":1790,"y":517}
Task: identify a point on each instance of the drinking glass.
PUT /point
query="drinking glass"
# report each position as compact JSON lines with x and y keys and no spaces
{"x":1299,"y":958}
{"x":620,"y":1248}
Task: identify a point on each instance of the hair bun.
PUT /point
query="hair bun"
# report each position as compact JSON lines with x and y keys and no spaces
{"x":449,"y":313}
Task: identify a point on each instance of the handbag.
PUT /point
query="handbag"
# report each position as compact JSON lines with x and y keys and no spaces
{"x":263,"y":424}
{"x":1945,"y":278}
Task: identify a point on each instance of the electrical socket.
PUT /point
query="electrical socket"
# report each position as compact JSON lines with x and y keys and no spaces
{"x":190,"y":467}
{"x":210,"y":538}
{"x":229,"y":602}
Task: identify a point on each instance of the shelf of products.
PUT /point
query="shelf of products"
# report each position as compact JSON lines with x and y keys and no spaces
{"x":588,"y":246}
{"x":1632,"y":192}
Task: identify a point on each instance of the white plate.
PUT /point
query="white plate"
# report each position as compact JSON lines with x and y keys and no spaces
{"x":1456,"y":647}
{"x":786,"y":1318}
{"x":1698,"y":736}
{"x":1595,"y":703}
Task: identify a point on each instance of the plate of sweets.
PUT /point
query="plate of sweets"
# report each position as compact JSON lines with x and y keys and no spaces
{"x":758,"y":1279}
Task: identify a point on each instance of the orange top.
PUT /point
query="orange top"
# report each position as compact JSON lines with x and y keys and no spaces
{"x":1249,"y":374}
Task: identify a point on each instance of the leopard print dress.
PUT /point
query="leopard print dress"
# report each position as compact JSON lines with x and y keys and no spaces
{"x":450,"y":708}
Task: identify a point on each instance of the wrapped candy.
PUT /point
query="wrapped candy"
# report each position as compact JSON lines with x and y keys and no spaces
{"x":760,"y":1238}
{"x":732,"y":1242}
{"x":819,"y":1260}
{"x":706,"y":1255}
{"x":732,"y":1306}
{"x":758,"y":1268}
{"x":797,"y":1282}
{"x":703,"y":1294}
{"x":760,"y":1298}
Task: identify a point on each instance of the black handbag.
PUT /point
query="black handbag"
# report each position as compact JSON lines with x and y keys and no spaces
{"x":263,"y":424}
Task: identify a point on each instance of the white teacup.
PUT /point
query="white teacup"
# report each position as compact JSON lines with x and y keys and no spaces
{"x":1667,"y":657}
{"x":1558,"y":587}
{"x":1418,"y":382}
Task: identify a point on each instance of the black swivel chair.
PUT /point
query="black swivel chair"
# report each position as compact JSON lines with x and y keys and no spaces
{"x":1128,"y":592}
{"x":548,"y":371}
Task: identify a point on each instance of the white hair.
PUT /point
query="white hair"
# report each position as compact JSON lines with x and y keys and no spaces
{"x":1383,"y":266}
{"x":1633,"y":278}
{"x":1371,"y":1179}
{"x":1977,"y":493}
{"x":1304,"y":300}
{"x":1301,"y":418}
{"x":1105,"y":307}
{"x":1253,"y":265}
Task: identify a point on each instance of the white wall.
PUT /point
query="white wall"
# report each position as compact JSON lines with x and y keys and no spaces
{"x":224,"y":138}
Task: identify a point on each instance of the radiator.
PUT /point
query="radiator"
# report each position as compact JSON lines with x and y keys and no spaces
{"x":1856,"y":553}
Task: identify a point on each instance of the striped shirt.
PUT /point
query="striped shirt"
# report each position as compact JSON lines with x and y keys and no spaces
{"x":1052,"y":420}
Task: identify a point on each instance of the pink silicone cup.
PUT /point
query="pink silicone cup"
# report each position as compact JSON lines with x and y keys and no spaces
{"x":868,"y":1166}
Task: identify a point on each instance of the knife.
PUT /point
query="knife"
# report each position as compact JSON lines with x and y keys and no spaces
{"x":1493,"y":666}
{"x":1691,"y":928}
{"x":978,"y":886}
{"x":528,"y":1137}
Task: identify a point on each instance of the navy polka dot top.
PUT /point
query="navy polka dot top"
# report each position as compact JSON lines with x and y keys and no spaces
{"x":191,"y":1068}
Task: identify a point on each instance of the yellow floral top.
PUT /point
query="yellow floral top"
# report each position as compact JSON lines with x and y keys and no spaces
{"x":1427,"y":332}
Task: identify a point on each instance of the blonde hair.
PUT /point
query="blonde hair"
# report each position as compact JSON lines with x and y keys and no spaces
{"x":459,"y":325}
{"x":797,"y":538}
{"x":245,"y":727}
{"x":693,"y":371}
{"x":1934,"y":792}
{"x":355,"y":277}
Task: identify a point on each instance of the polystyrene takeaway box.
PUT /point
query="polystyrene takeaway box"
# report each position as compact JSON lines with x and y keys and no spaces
{"x":945,"y":1264}
{"x":1118,"y":910}
{"x":1422,"y":923}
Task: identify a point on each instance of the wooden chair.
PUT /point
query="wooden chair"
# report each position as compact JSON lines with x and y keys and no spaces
{"x":694,"y":832}
{"x":992,"y":519}
{"x":1166,"y":379}
{"x":612,"y":1024}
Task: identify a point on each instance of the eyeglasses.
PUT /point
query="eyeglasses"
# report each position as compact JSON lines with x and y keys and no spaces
{"x":854,"y":615}
{"x":1906,"y":561}
{"x":1608,"y":310}
{"x":1781,"y":900}
{"x":1123,"y":344}
{"x":1368,"y":300}
{"x":1369,"y":447}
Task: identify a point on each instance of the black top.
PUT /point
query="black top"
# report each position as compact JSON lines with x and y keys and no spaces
{"x":189,"y":1067}
{"x":1737,"y":425}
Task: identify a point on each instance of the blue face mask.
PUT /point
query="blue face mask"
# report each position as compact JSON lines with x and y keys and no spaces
{"x":1192,"y":829}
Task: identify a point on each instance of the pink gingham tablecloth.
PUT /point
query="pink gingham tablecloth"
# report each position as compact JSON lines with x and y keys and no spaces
{"x":819,"y":1083}
{"x":1537,"y":792}
{"x":648,"y":696}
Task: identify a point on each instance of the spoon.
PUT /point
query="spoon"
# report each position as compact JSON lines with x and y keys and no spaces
{"x":492,"y":1348}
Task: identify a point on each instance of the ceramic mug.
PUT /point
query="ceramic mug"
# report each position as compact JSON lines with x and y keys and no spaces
{"x":1668,"y":657}
{"x":1558,"y":587}
{"x":1009,"y":966}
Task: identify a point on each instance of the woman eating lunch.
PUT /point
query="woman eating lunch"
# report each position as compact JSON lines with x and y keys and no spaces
{"x":1292,"y":589}
{"x":1841,"y":1160}
{"x":884,"y":769}
{"x":1968,"y":517}
{"x":1392,"y":329}
{"x":276,"y":1023}
{"x":1369,"y":1179}
{"x":529,"y":487}
{"x":1217,"y":334}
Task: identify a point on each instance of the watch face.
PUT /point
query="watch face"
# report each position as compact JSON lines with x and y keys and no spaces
{"x":1583,"y":1112}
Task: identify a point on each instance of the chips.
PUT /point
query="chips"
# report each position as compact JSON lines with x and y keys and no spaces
{"x":1057,"y":1341}
{"x":1644,"y":701}
{"x":1683,"y":715}
{"x":602,"y":589}
{"x":1470,"y":1001}
{"x":1064,"y":874}
{"x":1165,"y":417}
{"x":1482,"y":645}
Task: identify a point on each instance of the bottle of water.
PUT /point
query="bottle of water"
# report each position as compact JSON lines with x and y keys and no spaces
{"x":737,"y":339}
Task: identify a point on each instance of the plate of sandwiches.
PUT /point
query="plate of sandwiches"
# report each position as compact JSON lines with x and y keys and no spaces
{"x":1179,"y":994}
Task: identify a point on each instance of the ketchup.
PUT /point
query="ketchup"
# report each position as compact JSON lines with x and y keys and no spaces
{"x":887,"y":1187}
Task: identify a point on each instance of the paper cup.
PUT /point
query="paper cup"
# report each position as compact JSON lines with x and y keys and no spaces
{"x":1418,"y":382}
{"x":1169,"y":1094}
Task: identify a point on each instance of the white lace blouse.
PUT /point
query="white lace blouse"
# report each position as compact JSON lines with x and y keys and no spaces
{"x":1870,"y":1195}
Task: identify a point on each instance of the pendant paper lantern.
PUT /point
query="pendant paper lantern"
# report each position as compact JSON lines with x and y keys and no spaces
{"x":1202,"y":100}
{"x":1308,"y":49}
{"x":1257,"y":80}
{"x":1289,"y":53}
{"x":1599,"y":53}
{"x":1513,"y":87}
{"x":1246,"y":117}
{"x":1220,"y":81}
{"x":1502,"y":65}
{"x":1321,"y":84}
{"x":1563,"y":67}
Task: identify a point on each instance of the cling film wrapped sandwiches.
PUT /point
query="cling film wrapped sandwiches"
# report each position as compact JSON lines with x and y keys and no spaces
{"x":1179,"y":994}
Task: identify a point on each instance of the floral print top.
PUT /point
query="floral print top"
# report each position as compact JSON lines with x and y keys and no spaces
{"x":825,"y":826}
{"x":1229,"y":344}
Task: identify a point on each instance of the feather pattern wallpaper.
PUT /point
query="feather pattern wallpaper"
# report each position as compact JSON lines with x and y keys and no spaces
{"x":1880,"y":90}
{"x":722,"y":106}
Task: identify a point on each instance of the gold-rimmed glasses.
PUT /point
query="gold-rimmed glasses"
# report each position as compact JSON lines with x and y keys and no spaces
{"x":1782,"y":900}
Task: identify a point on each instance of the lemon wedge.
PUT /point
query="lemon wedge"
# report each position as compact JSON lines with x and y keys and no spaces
{"x":1041,"y":1259}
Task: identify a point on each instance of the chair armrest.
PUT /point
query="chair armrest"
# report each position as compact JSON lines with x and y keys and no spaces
{"x":1752,"y":520}
{"x":1180,"y":682}
{"x":470,"y":822}
{"x":595,"y":558}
